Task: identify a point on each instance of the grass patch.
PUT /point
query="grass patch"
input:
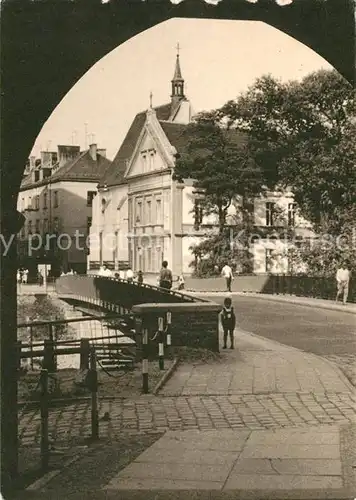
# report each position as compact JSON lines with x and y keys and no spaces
{"x":111,"y":384}
{"x":193,"y":355}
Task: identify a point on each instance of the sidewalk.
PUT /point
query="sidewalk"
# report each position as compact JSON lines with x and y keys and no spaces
{"x":291,"y":299}
{"x":275,"y":462}
{"x":267,"y":421}
{"x":258,"y":366}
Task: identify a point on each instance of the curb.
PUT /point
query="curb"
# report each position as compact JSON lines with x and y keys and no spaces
{"x":329,"y":307}
{"x":65,"y":401}
{"x":166,"y":376}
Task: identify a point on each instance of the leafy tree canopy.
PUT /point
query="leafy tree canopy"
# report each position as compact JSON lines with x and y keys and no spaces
{"x":304,"y":135}
{"x":218,"y":161}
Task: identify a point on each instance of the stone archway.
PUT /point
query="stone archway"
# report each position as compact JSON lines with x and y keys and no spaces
{"x":47,"y":47}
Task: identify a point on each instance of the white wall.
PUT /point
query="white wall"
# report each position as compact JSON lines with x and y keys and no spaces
{"x":110,"y":219}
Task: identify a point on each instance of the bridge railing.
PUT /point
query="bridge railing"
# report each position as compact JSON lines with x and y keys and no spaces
{"x":118,"y":291}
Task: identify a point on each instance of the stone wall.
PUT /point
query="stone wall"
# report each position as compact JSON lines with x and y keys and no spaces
{"x":193,"y":325}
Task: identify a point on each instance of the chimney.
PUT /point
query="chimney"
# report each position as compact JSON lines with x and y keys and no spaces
{"x":102,"y":152}
{"x":67,"y":153}
{"x":93,"y":148}
{"x":32,"y":162}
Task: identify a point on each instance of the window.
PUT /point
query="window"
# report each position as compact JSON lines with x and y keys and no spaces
{"x":116,"y":248}
{"x":198,"y":214}
{"x":37,"y":202}
{"x":270,"y":210}
{"x":159,"y":211}
{"x":23,"y":204}
{"x":268,"y":260}
{"x":45,"y":226}
{"x":30,"y":202}
{"x":291,"y":214}
{"x":139,"y":212}
{"x":90,"y":196}
{"x":144,"y":163}
{"x":55,"y":199}
{"x":56,"y":224}
{"x":44,"y":200}
{"x":152,"y":160}
{"x":101,"y":248}
{"x":129,"y":214}
{"x":89,"y":221}
{"x":149,"y":212}
{"x":29,"y":227}
{"x":37,"y":227}
{"x":149,"y":259}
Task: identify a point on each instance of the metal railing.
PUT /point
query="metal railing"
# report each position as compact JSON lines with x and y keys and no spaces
{"x":47,"y":340}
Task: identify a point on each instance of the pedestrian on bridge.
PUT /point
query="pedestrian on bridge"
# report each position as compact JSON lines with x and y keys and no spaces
{"x":226,"y":272}
{"x":165,"y":276}
{"x":342,"y":282}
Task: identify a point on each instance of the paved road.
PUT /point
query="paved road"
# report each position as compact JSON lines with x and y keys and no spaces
{"x":320,"y":331}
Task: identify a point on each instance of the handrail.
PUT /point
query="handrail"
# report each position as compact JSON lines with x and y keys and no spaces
{"x":165,"y":291}
{"x":70,"y":320}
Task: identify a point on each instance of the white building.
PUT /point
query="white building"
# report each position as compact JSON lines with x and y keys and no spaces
{"x":56,"y":197}
{"x":141,"y":216}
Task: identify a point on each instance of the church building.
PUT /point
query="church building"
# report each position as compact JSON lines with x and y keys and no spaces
{"x":141,"y":216}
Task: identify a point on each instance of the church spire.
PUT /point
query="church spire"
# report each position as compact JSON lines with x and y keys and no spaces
{"x":177,"y":82}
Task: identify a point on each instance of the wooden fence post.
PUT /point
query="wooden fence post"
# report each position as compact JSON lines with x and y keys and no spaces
{"x":94,"y":396}
{"x":18,"y":353}
{"x":44,"y":420}
{"x":84,"y":354}
{"x":48,"y":358}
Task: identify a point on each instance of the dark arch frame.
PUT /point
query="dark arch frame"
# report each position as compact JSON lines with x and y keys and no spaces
{"x":47,"y":45}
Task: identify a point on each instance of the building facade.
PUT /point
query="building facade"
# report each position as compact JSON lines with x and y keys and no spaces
{"x":56,"y":198}
{"x":142,"y":216}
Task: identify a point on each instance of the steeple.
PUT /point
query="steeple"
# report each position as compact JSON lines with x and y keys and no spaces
{"x":177,"y":82}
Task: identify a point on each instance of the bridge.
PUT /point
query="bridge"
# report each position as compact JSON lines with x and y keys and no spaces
{"x":194,"y":319}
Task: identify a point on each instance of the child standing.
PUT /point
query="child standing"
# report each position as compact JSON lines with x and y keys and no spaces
{"x":228,"y":322}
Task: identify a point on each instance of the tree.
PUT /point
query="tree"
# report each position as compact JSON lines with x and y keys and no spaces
{"x":303,"y":133}
{"x":218,"y":161}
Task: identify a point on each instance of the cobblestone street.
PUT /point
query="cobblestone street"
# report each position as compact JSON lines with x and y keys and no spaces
{"x":150,"y":413}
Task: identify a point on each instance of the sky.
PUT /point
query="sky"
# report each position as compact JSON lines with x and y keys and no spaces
{"x":219,"y":61}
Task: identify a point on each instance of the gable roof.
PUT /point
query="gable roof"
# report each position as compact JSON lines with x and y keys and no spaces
{"x":116,"y":173}
{"x":174,"y":133}
{"x":80,"y":169}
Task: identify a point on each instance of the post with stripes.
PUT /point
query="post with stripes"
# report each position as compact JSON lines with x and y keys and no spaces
{"x":145,"y":361}
{"x":160,"y":344}
{"x":169,"y":331}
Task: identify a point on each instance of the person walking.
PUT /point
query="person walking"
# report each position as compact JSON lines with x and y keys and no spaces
{"x":140,"y":277}
{"x":165,"y":276}
{"x":228,"y":322}
{"x":181,"y":282}
{"x":129,"y":275}
{"x":342,"y":282}
{"x":226,"y":272}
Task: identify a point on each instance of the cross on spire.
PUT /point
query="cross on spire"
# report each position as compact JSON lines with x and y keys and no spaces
{"x":178,"y":48}
{"x":151,"y":95}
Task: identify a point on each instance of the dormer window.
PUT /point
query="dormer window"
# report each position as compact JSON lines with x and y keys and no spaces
{"x":144,"y":162}
{"x":103,"y":205}
{"x":152,"y":159}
